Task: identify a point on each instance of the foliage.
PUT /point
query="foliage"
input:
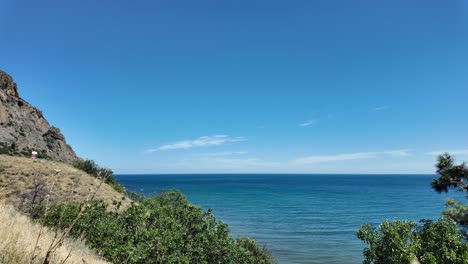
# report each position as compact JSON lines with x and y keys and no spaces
{"x":88,"y":166}
{"x":450,"y":175}
{"x":25,"y":242}
{"x":442,"y":243}
{"x":393,"y":243}
{"x":438,"y":242}
{"x":162,"y":229}
{"x":91,"y":168}
{"x":459,"y":213}
{"x":7,"y":150}
{"x":119,"y":188}
{"x":11,"y":150}
{"x":453,"y":176}
{"x":134,"y":196}
{"x":41,"y":155}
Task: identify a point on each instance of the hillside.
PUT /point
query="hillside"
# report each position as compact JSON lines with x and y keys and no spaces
{"x":23,"y":180}
{"x":19,"y":235}
{"x":24,"y":128}
{"x":25,"y":183}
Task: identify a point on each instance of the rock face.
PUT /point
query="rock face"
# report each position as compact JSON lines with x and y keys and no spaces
{"x":24,"y":128}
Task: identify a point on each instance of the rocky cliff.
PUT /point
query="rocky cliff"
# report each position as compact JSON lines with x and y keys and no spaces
{"x":24,"y":128}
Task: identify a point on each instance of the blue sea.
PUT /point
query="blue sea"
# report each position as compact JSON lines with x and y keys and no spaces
{"x":303,"y":218}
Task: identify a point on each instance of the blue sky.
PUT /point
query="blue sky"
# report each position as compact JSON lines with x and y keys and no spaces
{"x":322,"y":86}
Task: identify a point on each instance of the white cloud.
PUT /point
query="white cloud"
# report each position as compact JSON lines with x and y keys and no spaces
{"x":370,"y":162}
{"x":221,"y":154}
{"x":351,"y":156}
{"x":225,"y":164}
{"x":204,"y":141}
{"x":308,"y":123}
{"x":337,"y":157}
{"x":151,"y":150}
{"x":237,"y":163}
{"x":381,"y":108}
{"x":399,"y":152}
{"x":452,"y":152}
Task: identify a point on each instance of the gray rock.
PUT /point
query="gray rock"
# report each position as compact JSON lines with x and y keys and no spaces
{"x":24,"y":128}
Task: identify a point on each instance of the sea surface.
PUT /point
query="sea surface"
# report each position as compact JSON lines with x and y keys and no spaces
{"x":303,"y":218}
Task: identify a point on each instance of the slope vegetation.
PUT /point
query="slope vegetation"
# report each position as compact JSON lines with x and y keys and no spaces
{"x":24,"y":181}
{"x":18,"y":239}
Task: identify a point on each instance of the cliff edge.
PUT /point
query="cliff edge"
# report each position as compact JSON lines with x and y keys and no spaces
{"x":24,"y":128}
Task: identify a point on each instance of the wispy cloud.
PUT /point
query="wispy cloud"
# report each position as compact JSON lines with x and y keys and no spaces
{"x":221,"y":154}
{"x":452,"y":152}
{"x":308,"y":123}
{"x":204,"y":141}
{"x":351,"y":156}
{"x":337,"y":157}
{"x":227,"y":163}
{"x":237,"y":163}
{"x":381,"y":108}
{"x":398,"y":153}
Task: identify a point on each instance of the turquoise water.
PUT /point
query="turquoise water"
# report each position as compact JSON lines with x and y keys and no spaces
{"x":303,"y":218}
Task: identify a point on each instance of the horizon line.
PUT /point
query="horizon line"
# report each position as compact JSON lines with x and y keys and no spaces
{"x":266,"y":173}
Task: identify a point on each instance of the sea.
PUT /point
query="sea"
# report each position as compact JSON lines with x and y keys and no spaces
{"x":303,"y":218}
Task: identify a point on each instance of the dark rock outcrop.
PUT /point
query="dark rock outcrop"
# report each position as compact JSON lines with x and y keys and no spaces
{"x":24,"y":128}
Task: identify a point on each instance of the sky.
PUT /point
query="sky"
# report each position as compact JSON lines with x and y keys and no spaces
{"x":255,"y":86}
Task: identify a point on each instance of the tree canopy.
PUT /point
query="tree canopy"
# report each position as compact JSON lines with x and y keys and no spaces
{"x":443,"y":241}
{"x":450,"y":175}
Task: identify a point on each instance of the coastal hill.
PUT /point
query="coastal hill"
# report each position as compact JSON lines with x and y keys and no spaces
{"x":19,"y":235}
{"x":51,"y":179}
{"x":24,"y":128}
{"x":22,"y":179}
{"x":165,"y":228}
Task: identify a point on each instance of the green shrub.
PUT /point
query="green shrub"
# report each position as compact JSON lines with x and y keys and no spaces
{"x":458,"y":212}
{"x":135,"y":196}
{"x":12,"y":151}
{"x":119,"y":188}
{"x":41,"y":155}
{"x":441,"y":242}
{"x":162,"y":229}
{"x":452,"y":176}
{"x":91,"y":168}
{"x":250,"y":252}
{"x":88,"y":166}
{"x":7,"y":150}
{"x":438,"y":242}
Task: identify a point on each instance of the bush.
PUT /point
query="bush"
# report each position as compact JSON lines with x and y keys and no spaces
{"x":91,"y":168}
{"x":11,"y":150}
{"x":458,"y":212}
{"x":134,"y":196}
{"x":438,"y":242}
{"x":8,"y":149}
{"x":19,"y":236}
{"x":162,"y":229}
{"x":88,"y":166}
{"x":119,"y":188}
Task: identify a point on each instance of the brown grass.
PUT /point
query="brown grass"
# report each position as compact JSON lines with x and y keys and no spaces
{"x":19,"y":176}
{"x":18,"y":237}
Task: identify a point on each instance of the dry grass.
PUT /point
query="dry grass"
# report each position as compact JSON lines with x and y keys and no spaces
{"x":18,"y":237}
{"x":20,"y":176}
{"x":24,"y":182}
